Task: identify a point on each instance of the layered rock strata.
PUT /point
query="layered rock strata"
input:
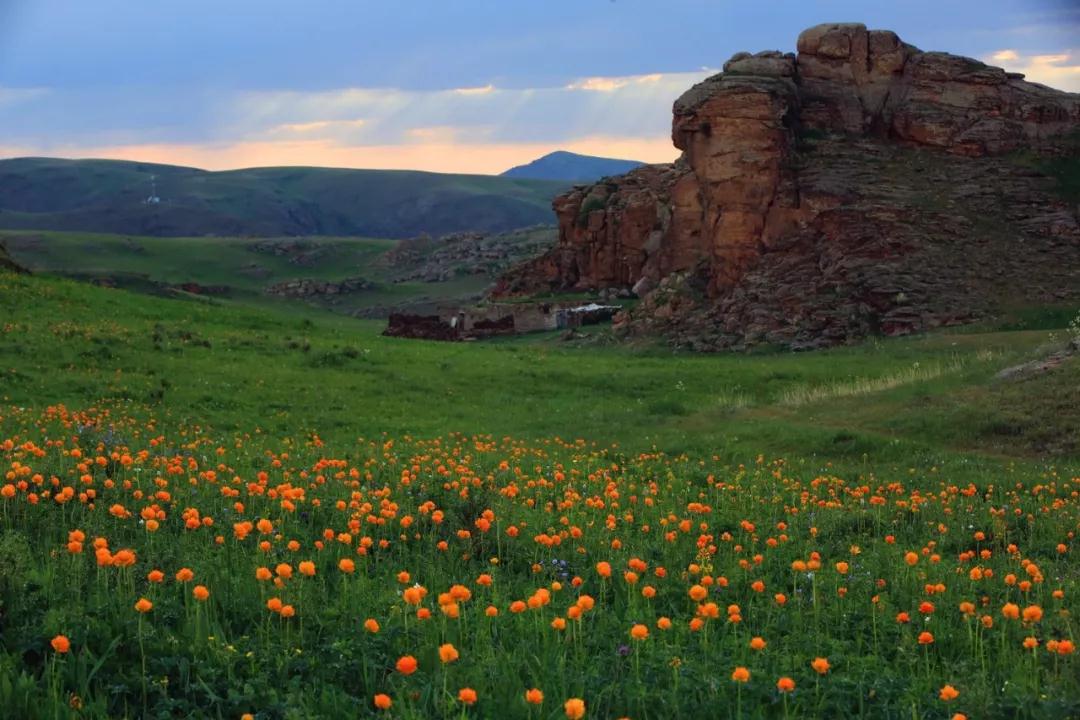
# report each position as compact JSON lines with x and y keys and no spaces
{"x":858,"y":186}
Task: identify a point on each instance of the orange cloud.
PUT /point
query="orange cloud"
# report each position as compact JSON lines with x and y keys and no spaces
{"x":1058,"y":70}
{"x":434,"y":156}
{"x":610,"y":84}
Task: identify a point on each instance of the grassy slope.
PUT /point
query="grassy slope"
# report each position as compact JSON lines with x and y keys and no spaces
{"x":66,"y":342}
{"x":144,"y":263}
{"x":106,"y":196}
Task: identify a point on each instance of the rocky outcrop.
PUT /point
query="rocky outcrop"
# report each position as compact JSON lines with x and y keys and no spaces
{"x":860,"y":185}
{"x":869,"y":82}
{"x":432,"y":260}
{"x":306,"y":287}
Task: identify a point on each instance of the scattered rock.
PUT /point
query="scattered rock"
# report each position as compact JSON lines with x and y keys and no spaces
{"x":298,"y":251}
{"x":305,"y":287}
{"x":1042,"y":365}
{"x":421,"y":327}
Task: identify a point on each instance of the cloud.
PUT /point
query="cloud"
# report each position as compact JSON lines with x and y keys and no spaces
{"x":475,"y":90}
{"x":10,"y":97}
{"x":610,"y":84}
{"x":626,"y":116}
{"x":319,"y":125}
{"x":1058,"y":70}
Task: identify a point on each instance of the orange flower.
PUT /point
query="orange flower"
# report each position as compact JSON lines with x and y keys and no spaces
{"x":287,"y":611}
{"x":926,"y":608}
{"x":371,"y":625}
{"x":697,"y":593}
{"x":200,"y":592}
{"x":448,"y":653}
{"x":639,"y":632}
{"x":534,"y":696}
{"x":911,"y":558}
{"x":949,"y":693}
{"x":155,"y":576}
{"x":1010,"y":611}
{"x":467,"y":696}
{"x":740,"y":674}
{"x":184,"y":575}
{"x":382,"y":701}
{"x":284,"y":570}
{"x":785,"y":684}
{"x":307,"y":568}
{"x":263,"y":574}
{"x":559,"y":623}
{"x":1032,"y":614}
{"x":144,"y":605}
{"x":575,"y":708}
{"x":926,"y":638}
{"x":821,"y":665}
{"x":346,"y":565}
{"x":60,"y":644}
{"x":664,"y":623}
{"x":406,"y":665}
{"x":757,"y":643}
{"x":603,"y":569}
{"x":1066,"y":647}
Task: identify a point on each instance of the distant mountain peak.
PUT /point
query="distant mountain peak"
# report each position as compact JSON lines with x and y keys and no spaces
{"x":571,"y":167}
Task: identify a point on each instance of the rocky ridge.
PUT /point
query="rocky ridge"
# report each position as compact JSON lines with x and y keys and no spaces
{"x":859,"y":186}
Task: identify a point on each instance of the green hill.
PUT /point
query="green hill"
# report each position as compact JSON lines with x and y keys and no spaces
{"x":414,"y":275}
{"x":111,"y":196}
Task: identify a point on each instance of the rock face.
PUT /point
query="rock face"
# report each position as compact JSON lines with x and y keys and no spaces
{"x":860,"y":185}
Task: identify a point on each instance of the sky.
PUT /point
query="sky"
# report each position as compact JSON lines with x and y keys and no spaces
{"x":443,"y":85}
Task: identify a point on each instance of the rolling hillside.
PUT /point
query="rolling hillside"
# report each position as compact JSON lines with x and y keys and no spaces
{"x":368,"y":277}
{"x":111,"y":196}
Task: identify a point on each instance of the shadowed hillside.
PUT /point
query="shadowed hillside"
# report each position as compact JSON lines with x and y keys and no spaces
{"x":562,"y":165}
{"x":115,"y":196}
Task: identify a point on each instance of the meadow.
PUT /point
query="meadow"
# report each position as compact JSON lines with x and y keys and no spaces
{"x":216,"y":510}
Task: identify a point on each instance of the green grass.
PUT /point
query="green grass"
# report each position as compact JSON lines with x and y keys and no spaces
{"x":701,"y":474}
{"x":73,"y":343}
{"x":209,"y":261}
{"x":245,"y":268}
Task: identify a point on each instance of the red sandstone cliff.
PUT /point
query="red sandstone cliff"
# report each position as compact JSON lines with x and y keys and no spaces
{"x":859,"y":186}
